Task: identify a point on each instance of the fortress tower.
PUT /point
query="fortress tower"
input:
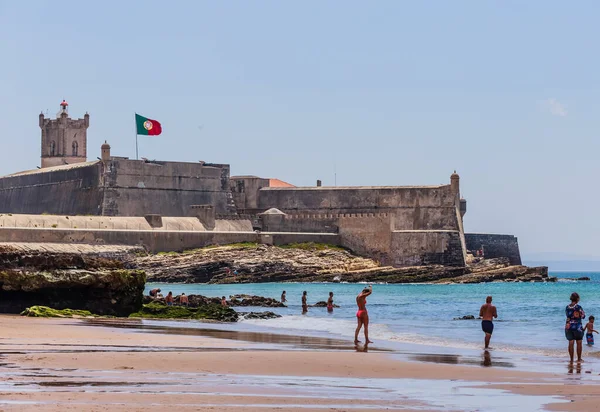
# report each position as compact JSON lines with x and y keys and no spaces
{"x":64,"y":140}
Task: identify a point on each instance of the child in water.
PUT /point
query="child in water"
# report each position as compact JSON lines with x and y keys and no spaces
{"x":588,"y":329}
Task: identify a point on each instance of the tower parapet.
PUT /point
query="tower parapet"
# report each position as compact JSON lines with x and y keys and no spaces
{"x":64,"y":140}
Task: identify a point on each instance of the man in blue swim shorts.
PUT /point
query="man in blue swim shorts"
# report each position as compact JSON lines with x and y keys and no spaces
{"x":487,"y":313}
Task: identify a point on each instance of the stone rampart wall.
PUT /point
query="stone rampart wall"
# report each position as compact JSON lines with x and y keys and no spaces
{"x":137,"y":188}
{"x":65,"y":191}
{"x":157,"y":240}
{"x":414,"y":208}
{"x":495,"y":246}
{"x":416,"y":248}
{"x":354,"y":199}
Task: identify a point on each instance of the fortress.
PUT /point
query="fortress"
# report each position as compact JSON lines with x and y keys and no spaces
{"x":177,"y":205}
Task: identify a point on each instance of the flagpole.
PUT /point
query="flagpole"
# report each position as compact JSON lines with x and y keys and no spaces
{"x":136,"y":135}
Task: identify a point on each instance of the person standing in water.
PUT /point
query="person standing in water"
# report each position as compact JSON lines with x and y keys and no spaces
{"x":487,"y":313}
{"x":330,"y":302}
{"x":304,"y":304}
{"x":283,"y":300}
{"x":573,"y":327}
{"x":362,"y":316}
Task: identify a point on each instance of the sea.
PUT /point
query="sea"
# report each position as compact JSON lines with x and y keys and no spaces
{"x":531,"y":316}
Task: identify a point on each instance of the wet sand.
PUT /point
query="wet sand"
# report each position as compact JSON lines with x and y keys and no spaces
{"x":64,"y":365}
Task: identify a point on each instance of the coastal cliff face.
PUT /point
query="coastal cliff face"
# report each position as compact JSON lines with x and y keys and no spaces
{"x":60,"y":281}
{"x":251,"y":263}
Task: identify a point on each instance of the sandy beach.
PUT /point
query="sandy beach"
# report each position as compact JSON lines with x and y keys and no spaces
{"x":76,"y":365}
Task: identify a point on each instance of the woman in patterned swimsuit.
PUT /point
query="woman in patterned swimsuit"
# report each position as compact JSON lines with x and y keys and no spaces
{"x":573,"y":327}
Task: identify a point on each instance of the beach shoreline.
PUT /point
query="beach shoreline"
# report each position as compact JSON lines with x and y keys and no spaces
{"x":48,"y":363}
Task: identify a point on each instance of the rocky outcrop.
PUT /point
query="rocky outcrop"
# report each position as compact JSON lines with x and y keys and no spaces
{"x":46,"y":312}
{"x":466,"y":317}
{"x":68,"y":281}
{"x":251,"y":300}
{"x":323,"y":304}
{"x":259,"y":315}
{"x":257,"y":263}
{"x":157,"y":310}
{"x":263,"y":263}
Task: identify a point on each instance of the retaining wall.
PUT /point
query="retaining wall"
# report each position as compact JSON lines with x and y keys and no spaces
{"x":495,"y":246}
{"x":157,"y":240}
{"x":417,"y":248}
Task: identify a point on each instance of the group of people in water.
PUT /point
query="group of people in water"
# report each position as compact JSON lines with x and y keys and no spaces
{"x":362,"y":316}
{"x":574,"y":328}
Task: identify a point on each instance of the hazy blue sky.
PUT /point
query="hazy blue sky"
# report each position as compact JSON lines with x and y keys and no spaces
{"x":390,"y":92}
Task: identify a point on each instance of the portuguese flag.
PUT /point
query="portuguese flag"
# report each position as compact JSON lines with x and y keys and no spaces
{"x":147,"y":127}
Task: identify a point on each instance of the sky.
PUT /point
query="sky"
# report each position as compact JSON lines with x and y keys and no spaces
{"x":350,"y":92}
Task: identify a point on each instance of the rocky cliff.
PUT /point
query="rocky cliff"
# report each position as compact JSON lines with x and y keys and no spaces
{"x":62,"y":280}
{"x":261,"y":263}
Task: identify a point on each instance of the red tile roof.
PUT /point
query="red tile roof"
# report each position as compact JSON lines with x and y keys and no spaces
{"x":279,"y":183}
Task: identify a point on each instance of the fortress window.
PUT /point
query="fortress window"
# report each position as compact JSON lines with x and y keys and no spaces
{"x":75,"y":148}
{"x":52,"y":148}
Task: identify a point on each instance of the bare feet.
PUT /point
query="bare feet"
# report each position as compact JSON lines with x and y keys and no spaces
{"x":356,"y":341}
{"x":369,"y":341}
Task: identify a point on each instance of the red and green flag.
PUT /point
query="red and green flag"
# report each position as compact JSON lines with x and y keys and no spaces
{"x":147,"y":127}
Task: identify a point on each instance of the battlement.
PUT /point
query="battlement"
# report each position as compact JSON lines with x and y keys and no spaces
{"x":332,"y":216}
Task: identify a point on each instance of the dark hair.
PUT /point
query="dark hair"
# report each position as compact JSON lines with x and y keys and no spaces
{"x":170,"y":293}
{"x":575,"y":297}
{"x":223,"y":297}
{"x":592,"y":317}
{"x":284,"y":291}
{"x":304,"y":293}
{"x":182,"y":294}
{"x":330,"y":293}
{"x":488,"y":299}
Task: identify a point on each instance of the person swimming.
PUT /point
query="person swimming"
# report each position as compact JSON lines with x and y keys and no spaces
{"x":362,"y":316}
{"x":330,"y":302}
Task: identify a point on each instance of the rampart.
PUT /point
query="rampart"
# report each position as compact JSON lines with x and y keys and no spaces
{"x":414,"y":208}
{"x":495,"y":246}
{"x":373,"y":235}
{"x":70,"y":189}
{"x":118,"y":187}
{"x":137,"y":188}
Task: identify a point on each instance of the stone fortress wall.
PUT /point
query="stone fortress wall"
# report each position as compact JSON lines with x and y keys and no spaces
{"x":176,"y":205}
{"x":117,"y":187}
{"x":495,"y":246}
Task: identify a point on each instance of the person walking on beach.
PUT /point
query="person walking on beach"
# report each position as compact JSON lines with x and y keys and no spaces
{"x":573,"y":327}
{"x":362,"y":316}
{"x":487,"y":313}
{"x":330,"y":302}
{"x":283,"y":300}
{"x":169,"y":299}
{"x":304,"y":304}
